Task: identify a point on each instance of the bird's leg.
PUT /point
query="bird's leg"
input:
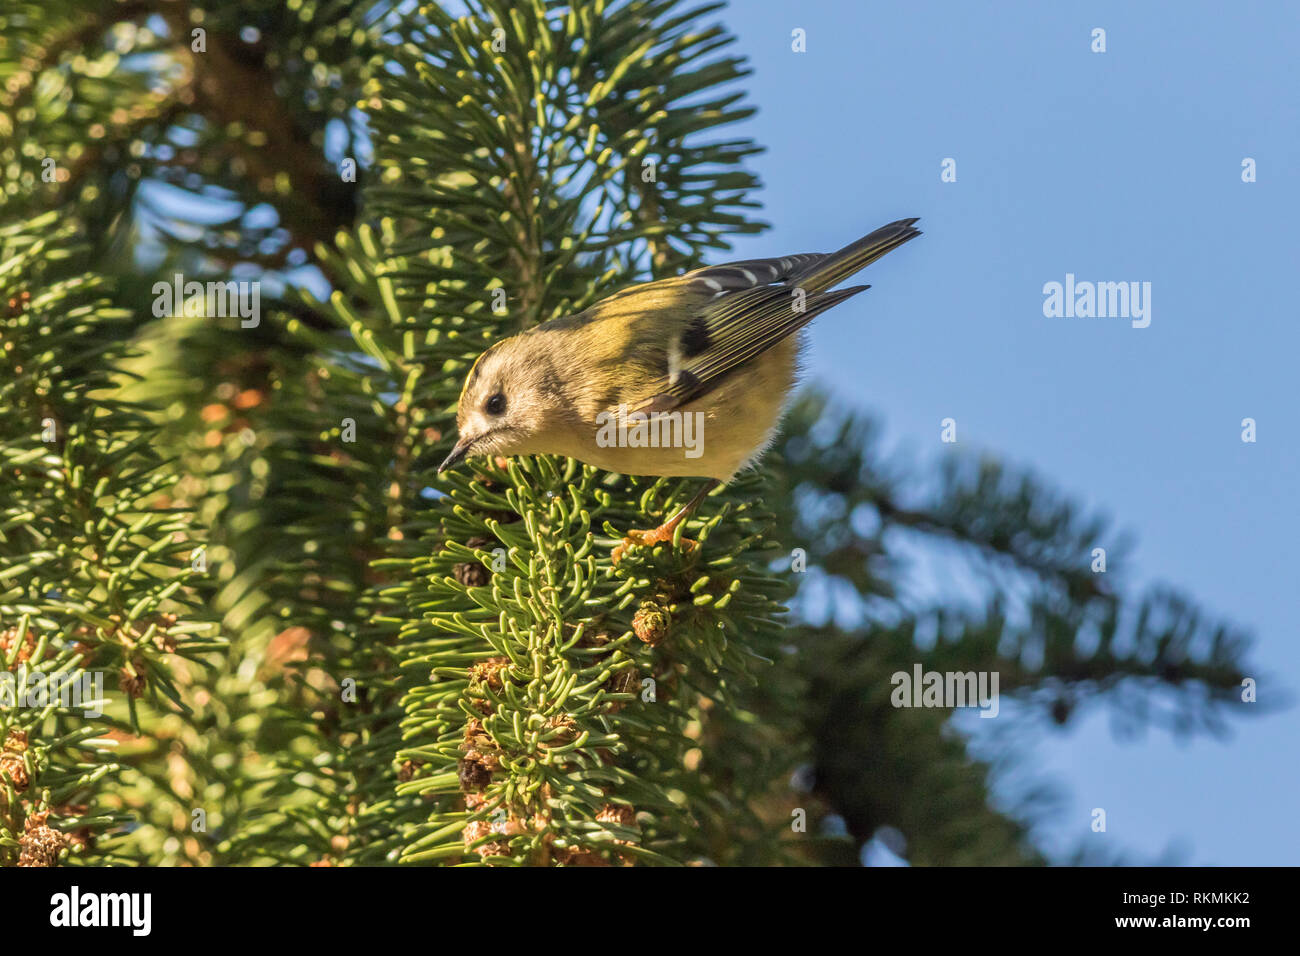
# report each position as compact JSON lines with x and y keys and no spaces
{"x":665,"y":532}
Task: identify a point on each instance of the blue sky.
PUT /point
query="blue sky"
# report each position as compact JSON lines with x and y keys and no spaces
{"x":1115,"y":166}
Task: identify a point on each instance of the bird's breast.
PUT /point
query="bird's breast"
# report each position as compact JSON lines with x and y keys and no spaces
{"x":714,"y":436}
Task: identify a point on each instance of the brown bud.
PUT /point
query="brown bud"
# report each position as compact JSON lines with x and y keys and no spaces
{"x":12,"y":764}
{"x":477,"y":830}
{"x":132,"y":679}
{"x":162,"y":639}
{"x":489,"y":671}
{"x":474,"y":775}
{"x":471,"y":574}
{"x":28,"y":645}
{"x":651,"y":622}
{"x":613,"y":813}
{"x":567,"y":727}
{"x":40,"y":844}
{"x":619,"y":816}
{"x":572,"y":856}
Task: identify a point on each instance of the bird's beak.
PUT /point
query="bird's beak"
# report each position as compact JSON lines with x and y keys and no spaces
{"x":457,"y":454}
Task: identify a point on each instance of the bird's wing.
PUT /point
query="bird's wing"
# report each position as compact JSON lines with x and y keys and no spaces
{"x":748,"y":307}
{"x":730,"y":331}
{"x":738,"y":276}
{"x":711,"y":281}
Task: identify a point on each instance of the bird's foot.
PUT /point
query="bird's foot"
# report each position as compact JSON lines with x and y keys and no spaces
{"x":648,"y":539}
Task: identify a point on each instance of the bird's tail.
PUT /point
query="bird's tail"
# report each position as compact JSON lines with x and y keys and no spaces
{"x":830,"y":270}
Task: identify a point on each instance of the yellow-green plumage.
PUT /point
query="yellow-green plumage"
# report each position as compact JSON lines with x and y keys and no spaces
{"x":719,"y":344}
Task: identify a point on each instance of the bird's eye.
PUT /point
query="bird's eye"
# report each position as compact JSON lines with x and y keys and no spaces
{"x":496,"y":404}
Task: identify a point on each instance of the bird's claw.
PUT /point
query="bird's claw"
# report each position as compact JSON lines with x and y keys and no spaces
{"x":648,"y":539}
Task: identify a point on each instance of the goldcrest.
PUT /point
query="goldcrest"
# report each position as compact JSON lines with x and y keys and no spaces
{"x":686,"y":376}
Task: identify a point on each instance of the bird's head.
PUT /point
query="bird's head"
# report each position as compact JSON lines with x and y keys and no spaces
{"x":508,"y":401}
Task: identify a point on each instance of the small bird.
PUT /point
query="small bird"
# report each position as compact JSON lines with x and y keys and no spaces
{"x":686,"y":376}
